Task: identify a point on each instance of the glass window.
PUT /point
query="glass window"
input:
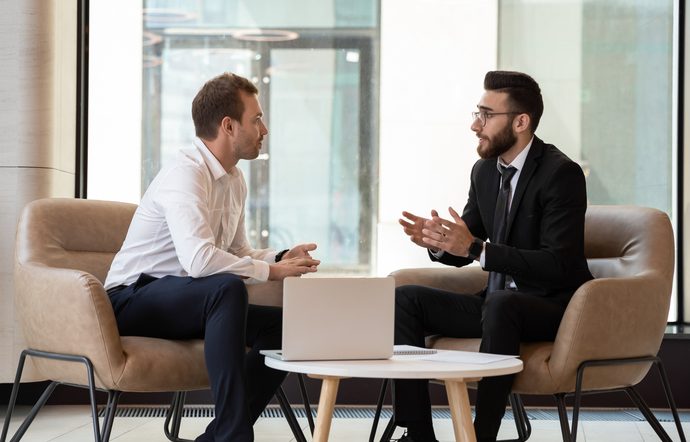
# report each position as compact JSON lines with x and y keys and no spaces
{"x":606,"y":69}
{"x":315,"y":67}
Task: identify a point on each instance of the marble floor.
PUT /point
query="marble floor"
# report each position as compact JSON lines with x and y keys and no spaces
{"x":73,"y":424}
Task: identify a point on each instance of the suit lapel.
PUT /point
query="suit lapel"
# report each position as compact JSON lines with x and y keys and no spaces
{"x":531,"y":164}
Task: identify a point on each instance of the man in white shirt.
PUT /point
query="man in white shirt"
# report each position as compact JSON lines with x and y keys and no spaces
{"x":182,"y":269}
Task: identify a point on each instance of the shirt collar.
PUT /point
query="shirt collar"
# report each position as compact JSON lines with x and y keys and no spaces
{"x":519,"y":161}
{"x":214,"y":166}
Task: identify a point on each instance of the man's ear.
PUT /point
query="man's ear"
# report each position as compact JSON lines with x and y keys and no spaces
{"x":521,"y":123}
{"x":227,"y":125}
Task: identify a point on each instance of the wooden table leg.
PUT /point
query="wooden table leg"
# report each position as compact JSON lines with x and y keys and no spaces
{"x":324,"y":414}
{"x":459,"y":403}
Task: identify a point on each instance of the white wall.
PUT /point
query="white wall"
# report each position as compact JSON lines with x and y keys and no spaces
{"x":434,"y":54}
{"x":115,"y":76}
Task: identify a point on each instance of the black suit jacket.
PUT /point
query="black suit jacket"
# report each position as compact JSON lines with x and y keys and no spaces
{"x":544,"y":247}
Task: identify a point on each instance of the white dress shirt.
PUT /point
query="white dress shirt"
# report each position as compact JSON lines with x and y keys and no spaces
{"x":190,"y":222}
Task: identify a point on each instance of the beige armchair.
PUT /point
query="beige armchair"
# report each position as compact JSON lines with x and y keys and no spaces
{"x":613,"y":327}
{"x":63,"y":251}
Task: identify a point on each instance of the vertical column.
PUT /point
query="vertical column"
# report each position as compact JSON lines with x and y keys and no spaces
{"x":37,"y":120}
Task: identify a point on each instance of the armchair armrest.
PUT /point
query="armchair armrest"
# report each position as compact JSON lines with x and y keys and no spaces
{"x":266,"y":293}
{"x":610,"y":318}
{"x":471,"y":279}
{"x":68,"y":311}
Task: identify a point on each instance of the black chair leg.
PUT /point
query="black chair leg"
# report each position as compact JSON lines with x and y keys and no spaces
{"x":173,"y":417}
{"x":647,"y":413}
{"x":32,"y":414}
{"x":632,"y":393}
{"x":290,"y":415}
{"x":47,"y":392}
{"x":388,"y":432}
{"x":13,"y":399}
{"x":522,"y":425}
{"x":669,"y":398}
{"x":109,"y":415}
{"x":390,"y":428}
{"x":563,"y":416}
{"x":305,"y":401}
{"x":379,"y":407}
{"x":525,"y":417}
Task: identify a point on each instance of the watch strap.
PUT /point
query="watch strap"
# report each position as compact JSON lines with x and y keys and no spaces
{"x":280,"y":254}
{"x":475,"y":249}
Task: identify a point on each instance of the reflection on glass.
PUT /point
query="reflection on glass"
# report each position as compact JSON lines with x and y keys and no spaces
{"x":316,"y":177}
{"x":606,"y":69}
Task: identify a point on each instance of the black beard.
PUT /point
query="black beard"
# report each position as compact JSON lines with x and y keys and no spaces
{"x":500,"y":144}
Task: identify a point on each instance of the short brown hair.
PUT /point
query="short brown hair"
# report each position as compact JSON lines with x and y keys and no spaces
{"x":524,"y":95}
{"x":218,"y":98}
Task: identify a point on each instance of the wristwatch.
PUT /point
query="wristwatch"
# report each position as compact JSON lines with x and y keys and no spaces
{"x":280,"y":254}
{"x":475,"y":249}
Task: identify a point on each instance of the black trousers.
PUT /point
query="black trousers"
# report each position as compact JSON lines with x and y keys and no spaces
{"x":502,"y":319}
{"x":214,"y":308}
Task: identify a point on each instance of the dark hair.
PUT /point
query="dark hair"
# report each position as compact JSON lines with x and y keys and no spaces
{"x":524,"y":95}
{"x":218,"y":98}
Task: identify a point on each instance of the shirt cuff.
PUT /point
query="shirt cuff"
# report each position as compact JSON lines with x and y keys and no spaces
{"x":261,"y":271}
{"x":482,"y":256}
{"x":437,"y":254}
{"x":270,"y":257}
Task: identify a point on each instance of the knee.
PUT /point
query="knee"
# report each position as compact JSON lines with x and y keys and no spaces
{"x":229,"y":290}
{"x":407,"y":305}
{"x":406,"y":296}
{"x":498,"y":308}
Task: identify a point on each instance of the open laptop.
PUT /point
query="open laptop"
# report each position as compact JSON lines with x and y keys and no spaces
{"x":337,"y":318}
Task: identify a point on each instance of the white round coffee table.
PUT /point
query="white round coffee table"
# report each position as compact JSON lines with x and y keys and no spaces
{"x":455,"y":376}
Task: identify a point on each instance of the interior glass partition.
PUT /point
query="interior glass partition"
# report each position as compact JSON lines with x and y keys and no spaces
{"x":316,"y":68}
{"x":607,"y":69}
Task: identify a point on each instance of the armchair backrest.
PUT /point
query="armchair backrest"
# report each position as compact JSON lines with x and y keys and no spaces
{"x":623,"y":312}
{"x":73,"y":233}
{"x":64,"y":249}
{"x":627,"y":241}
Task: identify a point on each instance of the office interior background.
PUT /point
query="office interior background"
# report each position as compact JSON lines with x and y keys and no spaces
{"x":367,"y":103}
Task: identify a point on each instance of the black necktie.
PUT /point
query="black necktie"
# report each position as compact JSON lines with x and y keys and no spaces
{"x":497,"y":281}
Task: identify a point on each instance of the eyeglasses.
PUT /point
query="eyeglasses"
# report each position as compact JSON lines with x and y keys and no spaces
{"x":482,"y":116}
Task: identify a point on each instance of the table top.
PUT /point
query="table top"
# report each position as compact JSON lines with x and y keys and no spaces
{"x":398,"y":367}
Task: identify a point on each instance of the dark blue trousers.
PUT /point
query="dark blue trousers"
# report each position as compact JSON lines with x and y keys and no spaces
{"x":502,"y":319}
{"x":216,"y":309}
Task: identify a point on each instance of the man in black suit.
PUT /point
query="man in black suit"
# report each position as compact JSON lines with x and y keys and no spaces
{"x":528,"y":199}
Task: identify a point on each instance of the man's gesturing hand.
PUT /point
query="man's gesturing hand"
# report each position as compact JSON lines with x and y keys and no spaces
{"x":412,"y":226}
{"x":292,"y":267}
{"x":450,"y":236}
